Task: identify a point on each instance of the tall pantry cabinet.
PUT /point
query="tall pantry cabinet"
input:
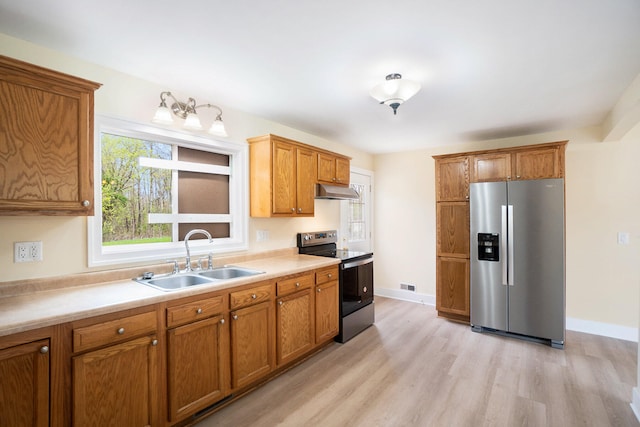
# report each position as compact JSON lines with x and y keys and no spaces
{"x":454,"y":173}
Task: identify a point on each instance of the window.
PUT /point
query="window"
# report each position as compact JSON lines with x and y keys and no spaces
{"x":154,"y":185}
{"x":356,"y":215}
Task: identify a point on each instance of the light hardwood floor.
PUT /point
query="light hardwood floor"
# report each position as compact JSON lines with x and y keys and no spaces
{"x":414,"y":369}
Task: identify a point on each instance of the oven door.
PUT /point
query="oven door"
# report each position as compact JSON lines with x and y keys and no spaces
{"x":356,"y":283}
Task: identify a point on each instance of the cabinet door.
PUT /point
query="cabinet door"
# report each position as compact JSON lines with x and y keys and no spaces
{"x":47,"y":141}
{"x":491,"y":167}
{"x":24,"y":385}
{"x":117,"y":385}
{"x":452,"y":179}
{"x":306,"y":181}
{"x":284,"y":178}
{"x":539,"y":163}
{"x":198,"y":366}
{"x":452,"y":286}
{"x":326,"y":168}
{"x":343,"y":171}
{"x":452,"y":222}
{"x":327,"y":311}
{"x":294,"y":326}
{"x":252,"y":343}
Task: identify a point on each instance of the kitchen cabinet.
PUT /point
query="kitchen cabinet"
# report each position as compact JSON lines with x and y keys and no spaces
{"x":197,"y":355}
{"x":327,"y":304}
{"x":46,"y":164}
{"x":252,"y":335}
{"x":24,"y":384}
{"x":115,"y":372}
{"x":333,"y":169}
{"x":452,"y":223}
{"x":294,"y":317}
{"x":452,"y":178}
{"x":282,"y":177}
{"x":521,"y":163}
{"x":452,"y":292}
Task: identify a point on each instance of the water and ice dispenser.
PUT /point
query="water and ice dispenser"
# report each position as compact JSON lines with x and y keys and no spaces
{"x":488,"y":247}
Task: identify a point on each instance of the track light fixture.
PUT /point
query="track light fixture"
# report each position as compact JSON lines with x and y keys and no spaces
{"x":187,"y":111}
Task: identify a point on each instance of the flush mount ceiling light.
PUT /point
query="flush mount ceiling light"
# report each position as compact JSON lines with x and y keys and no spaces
{"x":187,"y":111}
{"x":394,"y":91}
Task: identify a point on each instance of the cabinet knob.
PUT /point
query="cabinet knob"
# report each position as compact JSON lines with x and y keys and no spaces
{"x":154,"y":343}
{"x":297,"y":284}
{"x":86,"y":203}
{"x":319,"y":290}
{"x":254,"y":296}
{"x":329,"y":275}
{"x":120,"y":331}
{"x":235,"y":317}
{"x":280,"y":302}
{"x":222,"y":321}
{"x":44,"y":349}
{"x":293,"y":209}
{"x":517,"y":176}
{"x":199,"y":311}
{"x":466,"y":197}
{"x":333,"y":179}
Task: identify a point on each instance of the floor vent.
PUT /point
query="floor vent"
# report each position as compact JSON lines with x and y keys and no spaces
{"x":408,"y":287}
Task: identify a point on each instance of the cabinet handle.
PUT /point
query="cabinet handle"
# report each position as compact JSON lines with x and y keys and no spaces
{"x":44,"y":349}
{"x":254,"y":296}
{"x":222,"y":321}
{"x":120,"y":331}
{"x":154,"y":343}
{"x":235,"y":317}
{"x":199,"y":311}
{"x":86,"y":203}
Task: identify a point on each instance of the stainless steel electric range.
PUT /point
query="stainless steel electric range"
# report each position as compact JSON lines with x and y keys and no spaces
{"x":355,"y":283}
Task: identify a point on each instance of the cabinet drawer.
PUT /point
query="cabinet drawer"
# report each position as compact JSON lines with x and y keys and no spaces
{"x":250,"y":296}
{"x":327,"y":274}
{"x":192,"y":311}
{"x":113,"y":331}
{"x":293,"y":284}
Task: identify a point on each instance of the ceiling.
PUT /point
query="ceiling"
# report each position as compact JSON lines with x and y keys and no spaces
{"x":488,"y":69}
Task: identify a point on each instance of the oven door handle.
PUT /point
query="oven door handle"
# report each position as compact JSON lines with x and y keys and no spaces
{"x":356,"y":263}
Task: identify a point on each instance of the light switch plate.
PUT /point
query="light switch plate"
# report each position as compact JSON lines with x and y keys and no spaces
{"x":623,"y":238}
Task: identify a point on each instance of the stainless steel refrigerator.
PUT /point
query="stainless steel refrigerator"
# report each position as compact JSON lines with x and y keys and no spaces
{"x":518,"y":259}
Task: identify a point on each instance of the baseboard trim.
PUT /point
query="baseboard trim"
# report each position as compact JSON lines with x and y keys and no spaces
{"x":579,"y":325}
{"x":635,"y":402}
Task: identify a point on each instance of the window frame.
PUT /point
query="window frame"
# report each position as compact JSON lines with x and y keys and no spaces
{"x":99,"y":255}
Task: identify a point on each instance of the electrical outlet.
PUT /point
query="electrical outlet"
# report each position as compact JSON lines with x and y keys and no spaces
{"x":262,"y":235}
{"x":27,"y":251}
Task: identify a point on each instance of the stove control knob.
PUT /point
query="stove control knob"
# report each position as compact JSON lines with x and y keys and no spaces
{"x":307,"y":237}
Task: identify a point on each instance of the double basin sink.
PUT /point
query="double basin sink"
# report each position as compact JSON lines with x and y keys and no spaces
{"x":174,"y":282}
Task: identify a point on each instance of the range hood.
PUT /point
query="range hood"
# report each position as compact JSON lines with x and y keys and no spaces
{"x":335,"y":192}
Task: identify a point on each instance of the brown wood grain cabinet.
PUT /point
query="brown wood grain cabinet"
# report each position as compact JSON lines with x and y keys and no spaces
{"x":327,"y":300}
{"x":197,"y":356}
{"x":333,"y":169}
{"x":282,"y":176}
{"x":454,"y":173}
{"x":24,"y":384}
{"x":117,"y":383}
{"x":46,"y":161}
{"x":294,"y":318}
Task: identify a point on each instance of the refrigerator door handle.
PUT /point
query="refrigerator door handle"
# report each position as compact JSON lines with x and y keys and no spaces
{"x":511,"y":245}
{"x":504,"y":244}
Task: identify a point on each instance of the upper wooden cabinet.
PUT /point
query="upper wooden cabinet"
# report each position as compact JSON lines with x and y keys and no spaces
{"x":452,"y":178}
{"x":283,"y":174}
{"x":46,"y":140}
{"x":531,"y":162}
{"x":333,"y":169}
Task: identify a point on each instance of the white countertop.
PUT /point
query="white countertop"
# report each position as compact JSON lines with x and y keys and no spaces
{"x":41,"y":308}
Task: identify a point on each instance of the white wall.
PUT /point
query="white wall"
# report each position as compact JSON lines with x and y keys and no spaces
{"x":602,"y":198}
{"x":65,"y":238}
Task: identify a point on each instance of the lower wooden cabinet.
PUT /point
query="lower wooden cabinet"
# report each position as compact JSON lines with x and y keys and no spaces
{"x":327,"y":311}
{"x":24,"y":385}
{"x":117,"y":385}
{"x":294,"y":325}
{"x":252,"y":344}
{"x":197,"y":366}
{"x":452,"y":288}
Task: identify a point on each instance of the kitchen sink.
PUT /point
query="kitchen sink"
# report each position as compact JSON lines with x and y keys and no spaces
{"x":228,"y":272}
{"x":174,"y":282}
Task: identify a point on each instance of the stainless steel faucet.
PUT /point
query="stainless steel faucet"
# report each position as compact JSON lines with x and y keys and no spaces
{"x":186,"y":244}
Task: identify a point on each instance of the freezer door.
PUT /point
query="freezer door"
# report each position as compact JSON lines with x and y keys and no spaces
{"x":488,"y":293}
{"x":537,"y":291}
